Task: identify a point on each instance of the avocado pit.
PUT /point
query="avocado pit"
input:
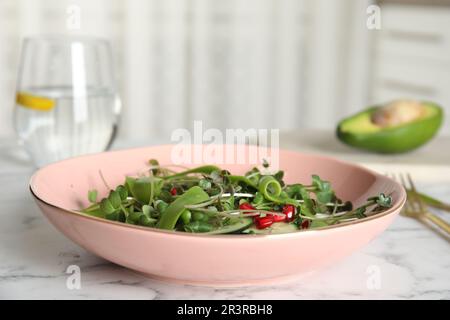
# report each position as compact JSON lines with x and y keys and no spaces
{"x":398,"y":113}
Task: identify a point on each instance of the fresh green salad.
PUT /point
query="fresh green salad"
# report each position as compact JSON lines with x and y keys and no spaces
{"x":210,"y":200}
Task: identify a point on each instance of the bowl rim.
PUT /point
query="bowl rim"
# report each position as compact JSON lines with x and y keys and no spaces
{"x":399,"y":204}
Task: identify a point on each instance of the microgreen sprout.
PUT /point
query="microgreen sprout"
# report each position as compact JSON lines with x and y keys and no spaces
{"x":208,"y":199}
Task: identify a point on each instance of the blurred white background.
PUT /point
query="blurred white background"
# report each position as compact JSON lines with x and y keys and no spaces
{"x":245,"y":63}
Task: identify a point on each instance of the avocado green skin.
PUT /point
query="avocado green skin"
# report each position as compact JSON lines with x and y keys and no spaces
{"x":394,"y":140}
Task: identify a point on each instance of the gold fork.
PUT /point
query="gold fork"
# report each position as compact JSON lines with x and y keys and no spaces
{"x":415,"y":207}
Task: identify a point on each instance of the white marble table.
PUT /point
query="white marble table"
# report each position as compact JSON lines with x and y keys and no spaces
{"x":408,"y":261}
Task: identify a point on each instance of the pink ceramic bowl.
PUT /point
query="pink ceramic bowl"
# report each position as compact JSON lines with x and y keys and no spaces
{"x":61,"y":188}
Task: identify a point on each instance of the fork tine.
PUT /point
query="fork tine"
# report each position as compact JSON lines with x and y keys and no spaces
{"x":414,"y":192}
{"x":410,"y":204}
{"x":414,"y":206}
{"x":412,"y":199}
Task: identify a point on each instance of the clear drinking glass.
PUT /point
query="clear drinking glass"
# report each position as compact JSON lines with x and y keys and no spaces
{"x":66,"y":102}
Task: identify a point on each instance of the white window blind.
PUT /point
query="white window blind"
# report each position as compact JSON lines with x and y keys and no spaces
{"x":412,"y":56}
{"x":253,"y":63}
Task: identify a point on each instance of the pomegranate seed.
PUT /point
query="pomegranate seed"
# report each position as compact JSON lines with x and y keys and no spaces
{"x":289,"y":212}
{"x":263,"y":222}
{"x":277,"y":218}
{"x":305,"y":224}
{"x":173,"y":191}
{"x":246,"y":206}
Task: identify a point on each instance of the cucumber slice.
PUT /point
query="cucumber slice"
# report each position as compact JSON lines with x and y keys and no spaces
{"x":277,"y":227}
{"x":242,"y":224}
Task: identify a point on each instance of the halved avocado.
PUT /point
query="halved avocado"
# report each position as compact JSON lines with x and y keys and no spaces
{"x":361,"y":131}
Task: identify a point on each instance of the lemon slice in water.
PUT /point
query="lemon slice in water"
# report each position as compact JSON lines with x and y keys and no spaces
{"x":33,"y":102}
